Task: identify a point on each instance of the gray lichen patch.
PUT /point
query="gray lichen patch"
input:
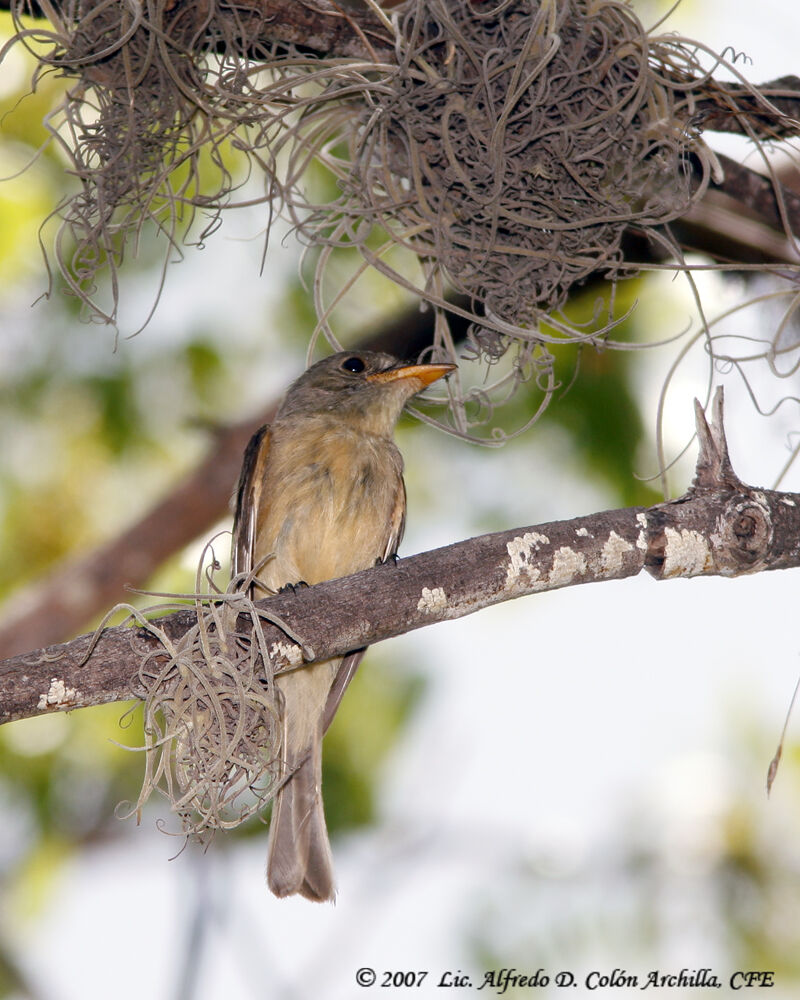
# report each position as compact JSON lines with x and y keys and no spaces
{"x":58,"y":695}
{"x":612,"y":558}
{"x":523,"y":574}
{"x":686,"y":553}
{"x":286,"y":654}
{"x":520,"y":552}
{"x":567,"y":564}
{"x":432,"y":600}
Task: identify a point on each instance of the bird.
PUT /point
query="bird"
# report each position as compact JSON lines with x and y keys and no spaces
{"x":320,"y":496}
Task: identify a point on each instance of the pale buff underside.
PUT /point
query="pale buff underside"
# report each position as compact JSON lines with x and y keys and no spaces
{"x":334,"y":504}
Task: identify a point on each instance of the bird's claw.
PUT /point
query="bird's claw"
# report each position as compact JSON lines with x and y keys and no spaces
{"x":292,"y":587}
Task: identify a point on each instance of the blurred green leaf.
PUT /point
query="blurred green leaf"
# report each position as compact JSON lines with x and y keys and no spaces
{"x":119,"y":416}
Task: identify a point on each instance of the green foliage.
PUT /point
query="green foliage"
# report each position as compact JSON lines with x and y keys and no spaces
{"x":33,"y":175}
{"x":600,"y":414}
{"x":118,"y":416}
{"x":38,"y":527}
{"x":61,"y":778}
{"x":205,"y":366}
{"x":595,"y":405}
{"x":598,"y":407}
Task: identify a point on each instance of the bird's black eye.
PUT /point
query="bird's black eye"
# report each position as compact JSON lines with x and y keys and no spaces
{"x":354,"y":365}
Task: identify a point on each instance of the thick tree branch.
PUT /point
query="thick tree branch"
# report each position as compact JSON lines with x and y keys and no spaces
{"x":764,"y":197}
{"x":746,"y":218}
{"x":720,"y":527}
{"x":734,"y":107}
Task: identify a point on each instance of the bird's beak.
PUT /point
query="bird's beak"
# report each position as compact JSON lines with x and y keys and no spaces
{"x":424,"y":374}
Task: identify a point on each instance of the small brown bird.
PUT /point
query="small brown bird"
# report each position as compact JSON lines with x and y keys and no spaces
{"x":321,"y":495}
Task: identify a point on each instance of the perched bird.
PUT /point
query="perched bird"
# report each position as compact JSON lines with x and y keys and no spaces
{"x":321,"y":495}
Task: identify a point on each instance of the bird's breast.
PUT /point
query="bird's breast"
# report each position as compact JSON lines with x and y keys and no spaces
{"x":331,"y":497}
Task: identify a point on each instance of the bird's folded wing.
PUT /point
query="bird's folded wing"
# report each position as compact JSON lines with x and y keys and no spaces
{"x":397,"y":523}
{"x":248,"y":502}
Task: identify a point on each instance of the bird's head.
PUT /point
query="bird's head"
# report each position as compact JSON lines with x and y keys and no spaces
{"x":366,"y":389}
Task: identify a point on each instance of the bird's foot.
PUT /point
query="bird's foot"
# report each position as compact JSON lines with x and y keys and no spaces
{"x":293,"y":587}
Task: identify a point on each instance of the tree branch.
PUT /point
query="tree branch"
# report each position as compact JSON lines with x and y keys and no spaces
{"x":322,"y":26}
{"x":746,"y":218}
{"x":734,"y":107}
{"x":763,"y":196}
{"x":720,"y":527}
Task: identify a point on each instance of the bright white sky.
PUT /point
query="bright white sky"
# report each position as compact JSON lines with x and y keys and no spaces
{"x":547,"y":722}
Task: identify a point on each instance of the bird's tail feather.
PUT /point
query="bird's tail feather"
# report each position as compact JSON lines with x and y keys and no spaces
{"x":299,"y":855}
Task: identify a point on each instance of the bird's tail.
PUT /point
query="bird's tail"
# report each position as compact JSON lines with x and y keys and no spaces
{"x":299,"y":855}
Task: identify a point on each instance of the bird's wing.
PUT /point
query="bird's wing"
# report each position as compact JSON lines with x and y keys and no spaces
{"x":345,"y":673}
{"x":349,"y":665}
{"x":397,"y":523}
{"x":248,"y":501}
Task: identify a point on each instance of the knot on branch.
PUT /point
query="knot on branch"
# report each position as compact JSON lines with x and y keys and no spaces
{"x":745,"y":535}
{"x":744,"y":527}
{"x":679,"y":543}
